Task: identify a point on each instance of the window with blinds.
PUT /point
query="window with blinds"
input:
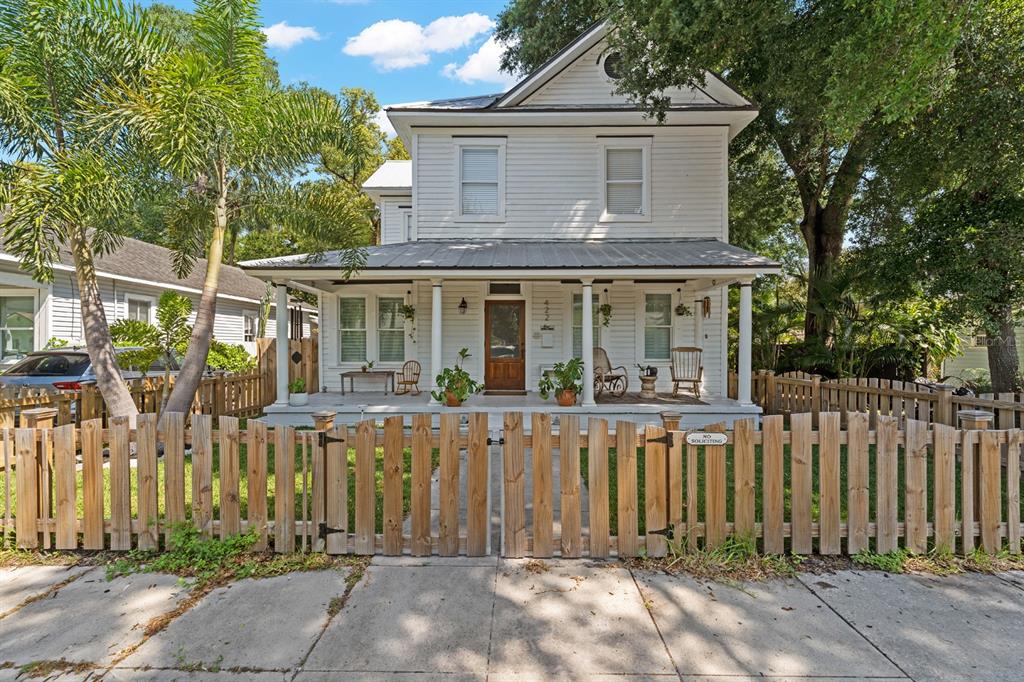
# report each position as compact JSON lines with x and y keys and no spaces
{"x":390,"y":330}
{"x":624,"y":181}
{"x":352,"y":329}
{"x":657,"y":326}
{"x":480,"y":181}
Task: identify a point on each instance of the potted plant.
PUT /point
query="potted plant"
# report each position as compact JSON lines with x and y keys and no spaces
{"x":605,"y":311}
{"x":682,"y":310}
{"x":565,"y":380}
{"x":454,"y":385}
{"x":368,"y":366}
{"x":297,"y":395}
{"x":407,"y":312}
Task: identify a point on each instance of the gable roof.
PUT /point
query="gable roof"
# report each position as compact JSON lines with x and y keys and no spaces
{"x":393,"y":175}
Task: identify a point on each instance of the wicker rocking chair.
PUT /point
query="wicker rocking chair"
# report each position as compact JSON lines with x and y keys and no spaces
{"x":607,"y":378}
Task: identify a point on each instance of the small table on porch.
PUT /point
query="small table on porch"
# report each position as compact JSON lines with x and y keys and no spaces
{"x":386,"y":374}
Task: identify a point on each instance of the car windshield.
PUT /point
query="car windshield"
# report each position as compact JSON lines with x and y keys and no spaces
{"x":51,"y":365}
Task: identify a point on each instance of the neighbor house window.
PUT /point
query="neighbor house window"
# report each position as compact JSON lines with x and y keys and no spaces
{"x":17,"y":326}
{"x":250,"y":324}
{"x":481,"y":179}
{"x":390,"y":330}
{"x":352,"y":329}
{"x":577,"y":324}
{"x":626,"y":182}
{"x":140,"y":309}
{"x":657,"y":326}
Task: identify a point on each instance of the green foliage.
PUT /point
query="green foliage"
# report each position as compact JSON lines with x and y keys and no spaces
{"x":230,"y":357}
{"x":297,"y":386}
{"x":169,"y":336}
{"x":457,"y":381}
{"x":564,"y":376}
{"x":191,"y":555}
{"x":53,"y":342}
{"x":891,"y":562}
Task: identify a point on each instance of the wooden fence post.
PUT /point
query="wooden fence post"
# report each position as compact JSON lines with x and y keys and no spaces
{"x":768,"y":405}
{"x":944,"y":406}
{"x":218,"y":394}
{"x":324,"y":420}
{"x":815,"y":399}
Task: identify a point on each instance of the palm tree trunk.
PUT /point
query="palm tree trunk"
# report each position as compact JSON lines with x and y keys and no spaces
{"x":194,"y":364}
{"x":97,"y":334}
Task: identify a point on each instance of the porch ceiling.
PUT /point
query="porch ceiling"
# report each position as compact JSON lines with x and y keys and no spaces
{"x":530,"y":258}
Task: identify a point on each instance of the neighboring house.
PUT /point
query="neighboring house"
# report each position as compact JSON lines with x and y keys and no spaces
{"x":131,"y":280}
{"x":972,"y":363}
{"x":516,"y":208}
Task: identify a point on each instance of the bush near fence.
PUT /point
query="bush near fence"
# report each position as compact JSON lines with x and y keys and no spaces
{"x":804,"y":489}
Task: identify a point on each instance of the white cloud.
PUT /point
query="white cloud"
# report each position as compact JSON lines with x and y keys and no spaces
{"x":483,"y":66}
{"x":285,"y":37}
{"x":381,"y":119}
{"x":398,"y":44}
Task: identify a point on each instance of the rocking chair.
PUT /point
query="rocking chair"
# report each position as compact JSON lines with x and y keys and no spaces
{"x":608,"y":378}
{"x":408,"y":380}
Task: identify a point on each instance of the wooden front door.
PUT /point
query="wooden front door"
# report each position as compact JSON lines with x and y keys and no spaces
{"x":505,"y":348}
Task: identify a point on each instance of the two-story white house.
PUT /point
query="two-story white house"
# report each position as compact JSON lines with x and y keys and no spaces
{"x":515,"y":210}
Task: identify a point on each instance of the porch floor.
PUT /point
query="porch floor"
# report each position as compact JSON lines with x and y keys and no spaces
{"x":366,"y":404}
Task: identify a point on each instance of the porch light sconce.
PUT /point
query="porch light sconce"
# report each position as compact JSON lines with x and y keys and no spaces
{"x":463,"y":306}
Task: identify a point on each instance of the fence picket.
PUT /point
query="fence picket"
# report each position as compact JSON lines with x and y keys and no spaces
{"x":857,"y":482}
{"x":569,"y":478}
{"x":543,"y":515}
{"x":230,"y":509}
{"x":336,"y":490}
{"x":393,"y":465}
{"x":64,"y":466}
{"x":886,"y":453}
{"x":419,"y":508}
{"x":92,"y":484}
{"x":366,"y":493}
{"x":256,"y":466}
{"x":149,"y":511}
{"x":990,"y":491}
{"x":477,"y":473}
{"x":692,"y":483}
{"x":597,"y":464}
{"x":27,"y":488}
{"x":969,"y":441}
{"x":515,"y":487}
{"x":174,"y":471}
{"x":944,"y":450}
{"x":916,"y":502}
{"x":655,"y":489}
{"x":800,"y":475}
{"x":284,"y":489}
{"x":625,"y":456}
{"x":120,"y":486}
{"x":318,"y":491}
{"x":828,"y":483}
{"x":8,"y":446}
{"x":715,"y":491}
{"x":675,"y":483}
{"x":743,"y":478}
{"x":772,"y":499}
{"x":448,"y":526}
{"x":1015,"y":440}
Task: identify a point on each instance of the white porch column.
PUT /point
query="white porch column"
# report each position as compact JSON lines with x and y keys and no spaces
{"x":588,"y":342}
{"x":745,"y":340}
{"x":698,"y":323}
{"x":281,"y":313}
{"x":435,"y":334}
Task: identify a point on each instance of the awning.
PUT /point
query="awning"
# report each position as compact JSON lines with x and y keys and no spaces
{"x":530,"y":258}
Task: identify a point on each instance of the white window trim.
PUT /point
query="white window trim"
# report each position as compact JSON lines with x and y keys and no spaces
{"x":377,"y":329}
{"x":641,"y":326}
{"x":143,"y":298}
{"x":567,"y":343}
{"x":256,"y":327}
{"x":408,"y":224}
{"x":478,"y":142}
{"x":644,"y":144}
{"x":370,"y":320}
{"x":366,"y":329}
{"x":40,"y":328}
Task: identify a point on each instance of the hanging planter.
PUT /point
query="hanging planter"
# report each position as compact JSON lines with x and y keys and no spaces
{"x":407,"y":312}
{"x":605,"y":311}
{"x":682,"y":310}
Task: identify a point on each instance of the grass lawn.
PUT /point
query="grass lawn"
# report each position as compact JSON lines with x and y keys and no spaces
{"x":244,"y":485}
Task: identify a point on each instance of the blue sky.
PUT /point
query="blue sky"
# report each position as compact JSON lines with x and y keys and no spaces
{"x":402,"y":50}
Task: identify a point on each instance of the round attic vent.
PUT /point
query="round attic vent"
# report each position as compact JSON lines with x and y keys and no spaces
{"x":612,"y":65}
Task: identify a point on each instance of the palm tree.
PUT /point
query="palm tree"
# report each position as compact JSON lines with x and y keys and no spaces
{"x":216,"y":120}
{"x":64,"y":183}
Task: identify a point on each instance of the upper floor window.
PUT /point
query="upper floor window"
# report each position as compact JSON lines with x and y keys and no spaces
{"x":627,"y":185}
{"x":482,"y":180}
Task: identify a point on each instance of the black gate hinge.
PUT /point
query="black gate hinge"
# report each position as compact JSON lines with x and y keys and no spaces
{"x":500,"y":441}
{"x":325,"y":530}
{"x":325,"y":440}
{"x":668,"y":439}
{"x":667,"y":532}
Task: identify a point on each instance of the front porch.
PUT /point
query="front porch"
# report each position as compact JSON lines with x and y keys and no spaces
{"x":352,"y":407}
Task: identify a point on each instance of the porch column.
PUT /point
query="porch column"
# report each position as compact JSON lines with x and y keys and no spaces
{"x":435,"y":334}
{"x":698,"y":323}
{"x":746,"y":334}
{"x":588,"y":342}
{"x":281,"y":311}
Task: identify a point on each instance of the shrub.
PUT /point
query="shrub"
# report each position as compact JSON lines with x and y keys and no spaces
{"x":230,"y":358}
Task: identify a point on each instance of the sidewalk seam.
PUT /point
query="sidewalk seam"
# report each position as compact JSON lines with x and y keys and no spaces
{"x":654,"y":621}
{"x":855,"y":629}
{"x":490,"y":633}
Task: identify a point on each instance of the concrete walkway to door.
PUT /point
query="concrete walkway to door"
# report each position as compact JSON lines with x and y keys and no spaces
{"x":493,"y":619}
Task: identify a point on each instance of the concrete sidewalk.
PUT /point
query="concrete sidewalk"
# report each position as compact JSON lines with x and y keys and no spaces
{"x":471,"y":619}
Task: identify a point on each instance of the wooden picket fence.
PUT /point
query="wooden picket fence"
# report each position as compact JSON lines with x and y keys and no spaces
{"x":303,"y":361}
{"x":824,"y":489}
{"x":793,"y":392}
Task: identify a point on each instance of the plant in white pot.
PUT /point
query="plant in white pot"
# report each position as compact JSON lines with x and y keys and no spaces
{"x":565,"y":380}
{"x":297,"y":395}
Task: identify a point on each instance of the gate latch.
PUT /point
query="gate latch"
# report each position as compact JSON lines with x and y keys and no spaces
{"x":325,"y":440}
{"x":326,"y":530}
{"x":668,"y":439}
{"x":667,"y":532}
{"x":500,"y":441}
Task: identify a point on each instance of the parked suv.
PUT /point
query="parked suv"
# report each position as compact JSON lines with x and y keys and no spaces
{"x":66,"y":369}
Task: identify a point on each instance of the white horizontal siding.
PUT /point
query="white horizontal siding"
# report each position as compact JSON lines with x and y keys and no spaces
{"x":553,"y":185}
{"x":392,"y":226}
{"x":584,"y":82}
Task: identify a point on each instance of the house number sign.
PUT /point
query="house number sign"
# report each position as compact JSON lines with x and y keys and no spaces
{"x":706,"y":438}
